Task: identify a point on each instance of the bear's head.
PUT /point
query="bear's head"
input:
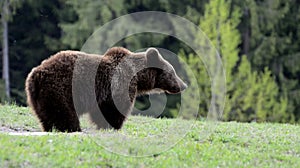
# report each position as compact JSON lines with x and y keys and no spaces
{"x":159,"y":75}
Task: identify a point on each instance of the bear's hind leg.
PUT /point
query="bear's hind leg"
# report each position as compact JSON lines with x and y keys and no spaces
{"x":66,"y":121}
{"x":59,"y":118}
{"x":62,"y":122}
{"x":66,"y":124}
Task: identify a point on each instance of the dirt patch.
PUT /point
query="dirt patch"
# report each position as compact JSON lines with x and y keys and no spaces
{"x":10,"y":130}
{"x":31,"y":132}
{"x":40,"y":133}
{"x":17,"y":129}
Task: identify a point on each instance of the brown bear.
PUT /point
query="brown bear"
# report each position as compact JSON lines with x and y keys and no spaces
{"x":71,"y":83}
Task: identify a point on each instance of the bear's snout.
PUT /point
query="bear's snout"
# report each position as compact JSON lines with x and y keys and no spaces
{"x":177,"y":88}
{"x":183,"y":86}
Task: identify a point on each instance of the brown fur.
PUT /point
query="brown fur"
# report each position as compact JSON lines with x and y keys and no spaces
{"x":50,"y":89}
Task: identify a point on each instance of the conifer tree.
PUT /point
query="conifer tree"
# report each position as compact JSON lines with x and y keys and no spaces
{"x":250,"y":96}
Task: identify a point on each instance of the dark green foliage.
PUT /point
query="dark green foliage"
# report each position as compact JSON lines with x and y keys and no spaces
{"x":31,"y":40}
{"x":250,"y":96}
{"x":270,"y":37}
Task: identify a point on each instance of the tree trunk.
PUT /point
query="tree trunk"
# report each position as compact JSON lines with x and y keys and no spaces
{"x":246,"y":33}
{"x":5,"y":71}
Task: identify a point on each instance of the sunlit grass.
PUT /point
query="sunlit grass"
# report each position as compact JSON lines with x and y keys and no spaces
{"x":227,"y":145}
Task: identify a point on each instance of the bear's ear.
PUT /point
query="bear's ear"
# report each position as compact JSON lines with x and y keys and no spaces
{"x":153,"y":57}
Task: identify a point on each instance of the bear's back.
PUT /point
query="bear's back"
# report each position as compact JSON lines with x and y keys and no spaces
{"x":65,"y":59}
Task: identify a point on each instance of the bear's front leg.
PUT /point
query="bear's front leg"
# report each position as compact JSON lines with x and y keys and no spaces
{"x":107,"y":116}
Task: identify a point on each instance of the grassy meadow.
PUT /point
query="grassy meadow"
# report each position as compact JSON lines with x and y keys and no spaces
{"x":148,"y":142}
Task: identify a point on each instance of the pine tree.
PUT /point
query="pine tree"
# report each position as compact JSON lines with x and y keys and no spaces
{"x":251,"y":96}
{"x":90,"y":16}
{"x":219,"y":26}
{"x":270,"y":38}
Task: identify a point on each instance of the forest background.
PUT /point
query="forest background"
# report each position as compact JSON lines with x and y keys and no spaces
{"x":258,"y":40}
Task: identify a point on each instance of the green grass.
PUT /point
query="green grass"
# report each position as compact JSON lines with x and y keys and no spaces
{"x":161,"y":140}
